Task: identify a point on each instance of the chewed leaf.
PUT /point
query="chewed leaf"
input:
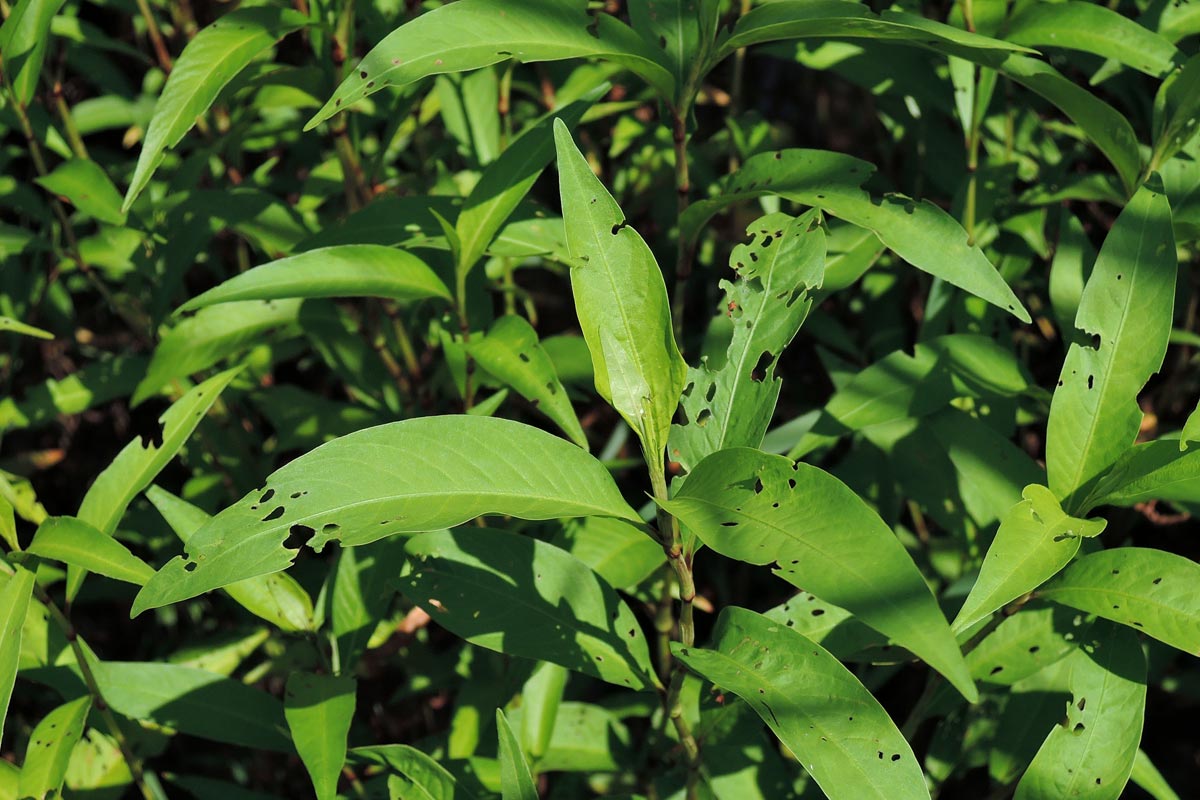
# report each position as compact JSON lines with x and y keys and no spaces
{"x":1038,"y":635}
{"x":405,"y":477}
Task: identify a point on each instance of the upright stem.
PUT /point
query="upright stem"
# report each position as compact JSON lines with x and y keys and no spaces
{"x":156,"y":39}
{"x":683,"y":188}
{"x":973,"y":137}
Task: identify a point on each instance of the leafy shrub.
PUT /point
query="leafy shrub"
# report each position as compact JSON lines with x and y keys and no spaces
{"x":928,"y":547}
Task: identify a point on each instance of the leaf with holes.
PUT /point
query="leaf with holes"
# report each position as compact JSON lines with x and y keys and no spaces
{"x":1091,"y":753}
{"x":319,"y":709}
{"x":819,"y":535}
{"x":49,"y":751}
{"x":73,"y":541}
{"x":1127,"y":306}
{"x":1036,"y":539}
{"x":1036,"y":636}
{"x":471,"y":34}
{"x":523,"y":597}
{"x":837,"y":730}
{"x":730,"y":403}
{"x":1151,"y":590}
{"x":516,"y":781}
{"x":405,"y":477}
{"x":919,"y":232}
{"x":621,"y":301}
{"x":512,"y":354}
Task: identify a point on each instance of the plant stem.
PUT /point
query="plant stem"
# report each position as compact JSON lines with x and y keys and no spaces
{"x":156,"y":39}
{"x":683,"y":262}
{"x":68,"y":121}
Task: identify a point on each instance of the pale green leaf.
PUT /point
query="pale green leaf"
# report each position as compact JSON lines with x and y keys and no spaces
{"x":1127,"y":306}
{"x":1147,"y":776}
{"x":23,"y":40}
{"x":615,"y":549}
{"x":1150,"y":471}
{"x":210,"y":61}
{"x":523,"y":597}
{"x":1151,"y":590}
{"x":1036,"y":539}
{"x":840,"y":734}
{"x":541,"y":698}
{"x":352,"y":270}
{"x":765,"y":509}
{"x":621,"y":301}
{"x":85,"y":185}
{"x":319,"y":709}
{"x":49,"y":750}
{"x":1191,"y":429}
{"x":404,"y":477}
{"x":8,"y":524}
{"x":10,"y":325}
{"x":832,"y":627}
{"x":1038,"y":635}
{"x":14,"y":604}
{"x":516,"y":781}
{"x":73,"y":541}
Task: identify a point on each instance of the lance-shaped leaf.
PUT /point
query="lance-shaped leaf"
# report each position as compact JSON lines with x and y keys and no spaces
{"x":730,"y":404}
{"x":211,"y":60}
{"x":14,"y":603}
{"x":683,"y":32}
{"x":1036,"y":539}
{"x":405,"y":477}
{"x":75,"y":542}
{"x":840,"y":734}
{"x":10,"y":325}
{"x":1091,"y":754}
{"x":516,"y":781}
{"x":1147,"y":776}
{"x":49,"y":750}
{"x":1151,"y":590}
{"x":86,"y":186}
{"x":919,"y":232}
{"x":1038,"y":635}
{"x":23,"y":40}
{"x":506,"y":181}
{"x":1127,"y":307}
{"x":511,"y":353}
{"x":414,"y":774}
{"x":471,"y":34}
{"x":319,"y":709}
{"x":139,"y":462}
{"x":351,"y":270}
{"x":621,"y":301}
{"x":766,"y":509}
{"x":1176,"y":111}
{"x":1151,"y":471}
{"x":523,"y":597}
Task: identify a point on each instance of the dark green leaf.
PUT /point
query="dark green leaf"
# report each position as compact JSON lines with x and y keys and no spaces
{"x":516,"y":781}
{"x":14,"y":603}
{"x":319,"y":709}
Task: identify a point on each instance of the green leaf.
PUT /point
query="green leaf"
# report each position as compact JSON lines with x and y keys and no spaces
{"x":405,"y":477}
{"x":210,"y":61}
{"x":1036,"y":539}
{"x":1176,"y":111}
{"x":139,"y":462}
{"x":1151,"y":590}
{"x":919,"y":232}
{"x":23,"y":40}
{"x":212,"y":335}
{"x":676,"y":27}
{"x":1073,"y":259}
{"x":541,"y":698}
{"x":1147,"y":776}
{"x":319,"y":709}
{"x":276,"y":598}
{"x":10,"y":325}
{"x":75,"y":542}
{"x":1191,"y":429}
{"x":512,"y":354}
{"x":616,"y":550}
{"x":86,"y":186}
{"x":765,"y":509}
{"x":1091,"y":754}
{"x":506,"y":181}
{"x":1150,"y":471}
{"x":1091,"y":28}
{"x":730,"y":404}
{"x":586,"y":738}
{"x":96,"y":383}
{"x":352,"y":270}
{"x":840,"y":734}
{"x":621,"y":301}
{"x":523,"y":597}
{"x":1127,"y":306}
{"x":1025,"y":643}
{"x":516,"y":781}
{"x":471,"y":34}
{"x":49,"y":750}
{"x":363,"y":588}
{"x":14,"y":604}
{"x":8,"y":524}
{"x":420,"y":777}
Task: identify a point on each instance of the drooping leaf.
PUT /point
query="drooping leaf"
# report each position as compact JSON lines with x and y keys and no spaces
{"x":516,"y":781}
{"x":404,"y":477}
{"x":477,"y":33}
{"x":523,"y":597}
{"x":363,"y":587}
{"x":1127,"y":306}
{"x":214,"y":334}
{"x":10,"y":325}
{"x":1091,"y":754}
{"x":919,"y":232}
{"x":23,"y":40}
{"x":765,"y":509}
{"x":1150,"y":590}
{"x":210,"y":61}
{"x":840,"y":734}
{"x":86,"y":186}
{"x":730,"y":404}
{"x":14,"y":604}
{"x":276,"y":598}
{"x":1036,"y":539}
{"x":49,"y":750}
{"x":511,"y":353}
{"x":139,"y":462}
{"x":621,"y":301}
{"x":319,"y":709}
{"x":1150,"y":471}
{"x":73,"y":541}
{"x":352,"y":270}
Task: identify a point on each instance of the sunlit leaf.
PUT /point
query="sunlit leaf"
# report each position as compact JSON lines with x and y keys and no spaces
{"x":319,"y":709}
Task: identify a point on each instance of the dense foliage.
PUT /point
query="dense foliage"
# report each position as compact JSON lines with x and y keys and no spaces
{"x":542,"y":398}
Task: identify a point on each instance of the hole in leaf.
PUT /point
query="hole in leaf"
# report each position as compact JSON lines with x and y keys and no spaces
{"x":275,"y":514}
{"x":759,"y":373}
{"x":298,"y":536}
